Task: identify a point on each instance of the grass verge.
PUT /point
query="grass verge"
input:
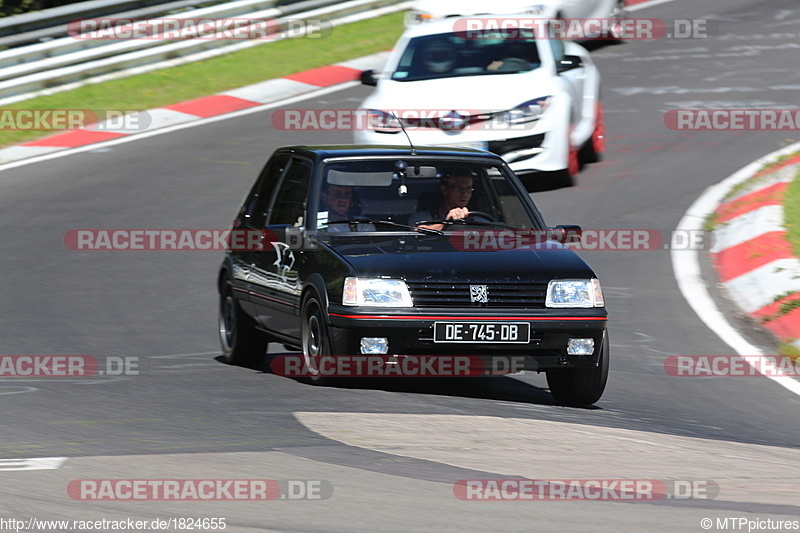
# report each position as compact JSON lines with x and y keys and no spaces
{"x":211,"y":76}
{"x":790,"y":351}
{"x":791,"y":213}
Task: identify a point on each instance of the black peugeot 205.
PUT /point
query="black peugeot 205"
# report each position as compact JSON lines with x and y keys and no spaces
{"x":406,"y":252}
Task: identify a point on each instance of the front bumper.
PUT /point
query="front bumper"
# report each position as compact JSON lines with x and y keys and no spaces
{"x":412,"y":333}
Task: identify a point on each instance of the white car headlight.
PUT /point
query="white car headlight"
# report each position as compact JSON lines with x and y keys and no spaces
{"x":375,"y":292}
{"x":530,"y":111}
{"x":382,"y":121}
{"x":574,"y":293}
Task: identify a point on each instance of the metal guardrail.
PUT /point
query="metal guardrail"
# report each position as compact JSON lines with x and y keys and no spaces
{"x":34,"y":68}
{"x":47,"y":18}
{"x":47,"y":25}
{"x":67,"y":50}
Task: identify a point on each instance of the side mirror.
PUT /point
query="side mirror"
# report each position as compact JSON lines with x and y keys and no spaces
{"x":565,"y":234}
{"x":569,"y":63}
{"x":368,"y":78}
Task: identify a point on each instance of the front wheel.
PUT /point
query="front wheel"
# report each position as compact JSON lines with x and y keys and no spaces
{"x":578,"y":387}
{"x":314,"y":335}
{"x":242,"y":344}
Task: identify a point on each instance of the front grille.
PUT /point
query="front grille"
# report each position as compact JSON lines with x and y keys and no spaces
{"x":500,"y":295}
{"x":518,"y":143}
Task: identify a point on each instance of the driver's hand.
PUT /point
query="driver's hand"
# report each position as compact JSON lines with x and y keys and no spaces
{"x":457,"y":213}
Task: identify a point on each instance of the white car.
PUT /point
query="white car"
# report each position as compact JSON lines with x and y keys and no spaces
{"x":535,"y":102}
{"x":430,"y":10}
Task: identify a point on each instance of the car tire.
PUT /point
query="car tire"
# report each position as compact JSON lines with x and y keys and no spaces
{"x":592,"y":151}
{"x":315,"y":342}
{"x":579,"y":387}
{"x":242,"y":344}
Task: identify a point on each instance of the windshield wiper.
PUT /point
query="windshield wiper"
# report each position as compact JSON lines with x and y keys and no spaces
{"x":391,"y":223}
{"x":463,"y":222}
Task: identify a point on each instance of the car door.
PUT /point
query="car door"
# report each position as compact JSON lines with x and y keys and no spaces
{"x":573,"y":81}
{"x":252,"y":218}
{"x":276,"y":286}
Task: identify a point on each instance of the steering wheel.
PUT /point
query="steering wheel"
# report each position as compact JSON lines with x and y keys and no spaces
{"x":481,"y":214}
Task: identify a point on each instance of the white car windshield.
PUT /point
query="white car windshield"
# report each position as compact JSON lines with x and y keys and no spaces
{"x":464,"y":54}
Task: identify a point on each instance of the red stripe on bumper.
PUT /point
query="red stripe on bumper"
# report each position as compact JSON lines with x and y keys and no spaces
{"x":470,"y":318}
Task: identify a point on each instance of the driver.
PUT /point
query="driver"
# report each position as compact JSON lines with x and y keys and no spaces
{"x":456,"y":189}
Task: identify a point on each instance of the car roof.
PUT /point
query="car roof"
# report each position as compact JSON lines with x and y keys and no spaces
{"x":319,"y":152}
{"x":448,"y":25}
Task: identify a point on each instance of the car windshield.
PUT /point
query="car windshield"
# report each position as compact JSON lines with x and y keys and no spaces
{"x":381,"y":195}
{"x":460,"y":54}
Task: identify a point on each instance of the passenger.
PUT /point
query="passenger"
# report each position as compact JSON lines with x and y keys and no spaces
{"x":337,"y":199}
{"x":337,"y":205}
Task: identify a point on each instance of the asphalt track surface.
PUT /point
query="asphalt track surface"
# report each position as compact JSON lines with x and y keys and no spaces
{"x":188,"y":415}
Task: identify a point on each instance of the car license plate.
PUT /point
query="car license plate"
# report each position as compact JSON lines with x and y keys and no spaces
{"x":476,"y":332}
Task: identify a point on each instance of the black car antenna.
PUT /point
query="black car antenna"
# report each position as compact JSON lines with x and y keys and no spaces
{"x":413,"y":150}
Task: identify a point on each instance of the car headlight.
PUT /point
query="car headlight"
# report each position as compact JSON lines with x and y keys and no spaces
{"x":375,"y":292}
{"x":383,"y":122}
{"x":574,"y":293}
{"x":530,"y":111}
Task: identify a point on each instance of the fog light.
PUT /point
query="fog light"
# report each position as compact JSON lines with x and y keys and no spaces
{"x":374,"y":345}
{"x":580,"y":347}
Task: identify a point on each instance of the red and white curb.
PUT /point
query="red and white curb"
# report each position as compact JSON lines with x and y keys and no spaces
{"x":202,"y":108}
{"x":689,"y":275}
{"x":752,"y":254}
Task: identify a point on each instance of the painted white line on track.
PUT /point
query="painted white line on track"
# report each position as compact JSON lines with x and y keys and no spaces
{"x":37,"y":463}
{"x":686,"y":266}
{"x":645,"y":5}
{"x":178,"y":127}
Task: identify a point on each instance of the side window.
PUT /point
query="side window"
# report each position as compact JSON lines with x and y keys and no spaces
{"x":258,"y":203}
{"x":290,"y":202}
{"x":558,"y":49}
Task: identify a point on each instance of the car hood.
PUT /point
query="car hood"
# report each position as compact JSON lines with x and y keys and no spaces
{"x":442,"y":8}
{"x":422,"y":257}
{"x":495,"y":92}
